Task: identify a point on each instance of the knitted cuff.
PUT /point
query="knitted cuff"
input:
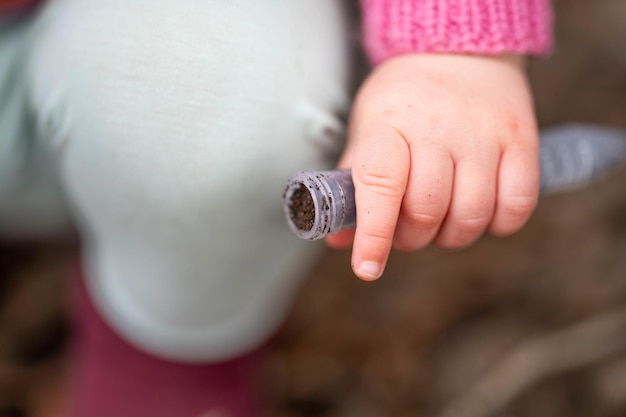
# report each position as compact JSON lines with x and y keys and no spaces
{"x":394,"y":27}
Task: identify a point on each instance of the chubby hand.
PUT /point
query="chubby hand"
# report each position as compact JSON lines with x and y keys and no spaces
{"x":442,"y":148}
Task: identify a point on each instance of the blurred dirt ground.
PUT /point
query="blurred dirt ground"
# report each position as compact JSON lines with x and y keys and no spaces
{"x":531,"y":325}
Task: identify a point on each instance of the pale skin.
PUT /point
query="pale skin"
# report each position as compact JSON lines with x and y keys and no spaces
{"x":442,"y":148}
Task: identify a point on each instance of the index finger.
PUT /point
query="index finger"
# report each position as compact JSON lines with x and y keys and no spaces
{"x":380,"y":170}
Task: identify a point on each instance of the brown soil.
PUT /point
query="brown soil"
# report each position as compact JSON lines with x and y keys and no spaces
{"x":302,"y":208}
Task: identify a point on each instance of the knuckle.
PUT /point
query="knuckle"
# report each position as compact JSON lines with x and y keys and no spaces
{"x":389,"y":111}
{"x":471,"y":225}
{"x":417,"y":229}
{"x":377,"y":234}
{"x":424,"y":220}
{"x":380,"y":182}
{"x":518,"y":206}
{"x":374,"y":238}
{"x":515,"y":125}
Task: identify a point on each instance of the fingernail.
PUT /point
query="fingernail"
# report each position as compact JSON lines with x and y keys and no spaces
{"x":369,"y":270}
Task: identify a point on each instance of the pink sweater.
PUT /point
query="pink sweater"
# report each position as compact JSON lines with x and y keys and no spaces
{"x":393,"y":27}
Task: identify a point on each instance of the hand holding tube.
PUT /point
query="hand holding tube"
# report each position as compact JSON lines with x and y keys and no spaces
{"x":320,"y":203}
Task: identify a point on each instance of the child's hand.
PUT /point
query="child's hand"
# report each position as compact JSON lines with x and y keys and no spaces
{"x":442,"y":148}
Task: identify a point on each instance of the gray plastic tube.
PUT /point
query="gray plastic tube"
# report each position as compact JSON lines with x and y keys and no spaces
{"x":317,"y":203}
{"x":572,"y":156}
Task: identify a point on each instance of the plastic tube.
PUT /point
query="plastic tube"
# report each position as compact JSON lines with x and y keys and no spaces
{"x":573,"y":155}
{"x":317,"y":203}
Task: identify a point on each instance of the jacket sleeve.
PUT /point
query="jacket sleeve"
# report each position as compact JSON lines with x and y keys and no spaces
{"x":394,"y":27}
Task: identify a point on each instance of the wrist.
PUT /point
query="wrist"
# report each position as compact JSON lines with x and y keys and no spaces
{"x":457,"y":61}
{"x":519,"y":61}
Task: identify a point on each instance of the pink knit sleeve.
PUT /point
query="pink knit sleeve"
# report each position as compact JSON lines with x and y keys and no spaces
{"x":393,"y":27}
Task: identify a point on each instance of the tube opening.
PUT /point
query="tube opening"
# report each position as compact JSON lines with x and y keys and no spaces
{"x":302,"y":208}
